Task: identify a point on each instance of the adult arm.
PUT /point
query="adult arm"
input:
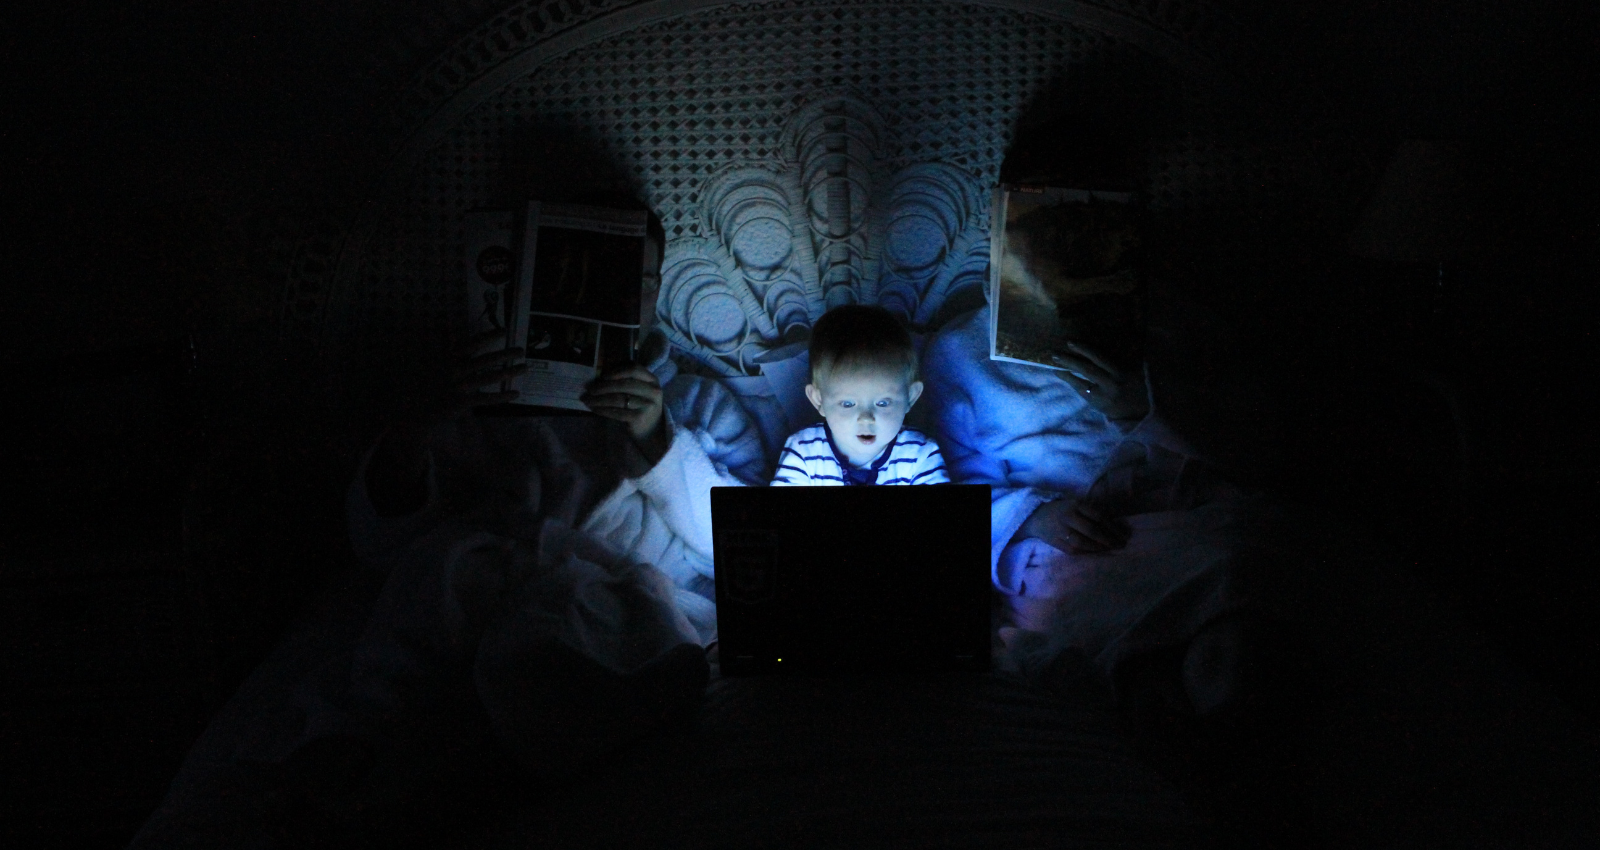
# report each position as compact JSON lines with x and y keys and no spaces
{"x":1020,"y":429}
{"x":711,"y":443}
{"x":1120,"y":393}
{"x":395,"y":495}
{"x":1153,"y":468}
{"x":395,"y":474}
{"x":631,"y":394}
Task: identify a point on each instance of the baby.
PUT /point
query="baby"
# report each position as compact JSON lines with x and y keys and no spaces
{"x":863,"y":382}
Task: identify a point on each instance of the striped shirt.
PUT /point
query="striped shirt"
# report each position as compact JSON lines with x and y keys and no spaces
{"x":810,"y":458}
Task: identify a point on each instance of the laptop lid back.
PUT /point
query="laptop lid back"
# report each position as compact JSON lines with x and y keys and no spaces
{"x":841,"y":579}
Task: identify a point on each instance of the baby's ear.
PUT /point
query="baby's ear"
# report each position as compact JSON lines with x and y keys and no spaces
{"x":815,"y":395}
{"x":913,"y":392}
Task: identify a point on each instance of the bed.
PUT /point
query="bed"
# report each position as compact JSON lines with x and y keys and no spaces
{"x":1425,"y":738}
{"x":1418,"y":734}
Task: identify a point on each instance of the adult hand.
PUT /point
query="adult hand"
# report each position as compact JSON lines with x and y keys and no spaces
{"x":479,"y":371}
{"x":396,"y":475}
{"x":1075,"y":526}
{"x":1118,"y":393}
{"x":629,"y":394}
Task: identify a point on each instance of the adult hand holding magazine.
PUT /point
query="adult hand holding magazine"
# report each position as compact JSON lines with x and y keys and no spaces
{"x":565,"y":283}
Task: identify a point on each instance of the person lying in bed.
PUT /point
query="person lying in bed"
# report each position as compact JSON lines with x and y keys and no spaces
{"x":556,"y":568}
{"x":1091,"y":484}
{"x":1113,"y":535}
{"x":863,"y":382}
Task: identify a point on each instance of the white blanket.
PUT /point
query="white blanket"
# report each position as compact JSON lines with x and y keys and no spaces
{"x":537,"y":533}
{"x":1031,"y":437}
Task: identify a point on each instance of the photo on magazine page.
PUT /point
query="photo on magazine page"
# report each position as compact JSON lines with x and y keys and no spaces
{"x":490,"y":254}
{"x":579,"y":287}
{"x":1064,"y":268}
{"x":589,"y":264}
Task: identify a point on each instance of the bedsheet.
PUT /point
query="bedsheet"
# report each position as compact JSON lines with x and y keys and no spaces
{"x":948,"y":761}
{"x":941,"y":761}
{"x":1414,"y":729}
{"x":1422,"y":736}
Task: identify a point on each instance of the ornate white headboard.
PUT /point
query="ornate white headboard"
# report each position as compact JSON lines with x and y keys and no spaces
{"x":800,"y":154}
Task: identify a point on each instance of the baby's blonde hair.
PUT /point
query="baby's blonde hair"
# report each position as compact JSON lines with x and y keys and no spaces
{"x":856,"y":337}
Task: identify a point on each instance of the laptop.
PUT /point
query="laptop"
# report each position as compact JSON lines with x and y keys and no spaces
{"x":852,"y":579}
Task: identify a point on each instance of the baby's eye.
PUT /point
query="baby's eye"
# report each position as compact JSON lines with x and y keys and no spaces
{"x":883,"y":402}
{"x":847,"y":404}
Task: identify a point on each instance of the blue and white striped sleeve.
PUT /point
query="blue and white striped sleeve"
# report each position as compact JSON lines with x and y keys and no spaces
{"x":930,"y":465}
{"x":791,"y":465}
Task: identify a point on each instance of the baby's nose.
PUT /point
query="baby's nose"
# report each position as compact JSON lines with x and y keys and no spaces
{"x":866,"y":414}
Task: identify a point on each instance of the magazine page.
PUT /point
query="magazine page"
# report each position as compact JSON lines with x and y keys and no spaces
{"x":1063,"y":269}
{"x":492,"y":239}
{"x":579,"y":291}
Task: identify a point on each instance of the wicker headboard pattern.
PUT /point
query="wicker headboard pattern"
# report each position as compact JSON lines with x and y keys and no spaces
{"x":800,"y":153}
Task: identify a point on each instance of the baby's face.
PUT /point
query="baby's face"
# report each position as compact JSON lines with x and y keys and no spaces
{"x":864,"y":409}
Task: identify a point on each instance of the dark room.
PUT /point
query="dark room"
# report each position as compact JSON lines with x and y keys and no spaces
{"x":406,"y":400}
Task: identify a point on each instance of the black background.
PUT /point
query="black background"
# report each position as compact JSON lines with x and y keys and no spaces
{"x":152,"y":153}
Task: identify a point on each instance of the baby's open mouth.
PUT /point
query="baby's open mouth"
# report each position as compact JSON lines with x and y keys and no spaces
{"x":867,"y":438}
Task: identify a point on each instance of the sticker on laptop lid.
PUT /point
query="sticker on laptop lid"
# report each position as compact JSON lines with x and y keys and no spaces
{"x":747,"y":563}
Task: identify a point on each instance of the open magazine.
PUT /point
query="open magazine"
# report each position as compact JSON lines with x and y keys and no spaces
{"x":563,"y":281}
{"x":1062,"y":269}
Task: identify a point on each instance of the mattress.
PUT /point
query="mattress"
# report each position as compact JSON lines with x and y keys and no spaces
{"x":949,"y":760}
